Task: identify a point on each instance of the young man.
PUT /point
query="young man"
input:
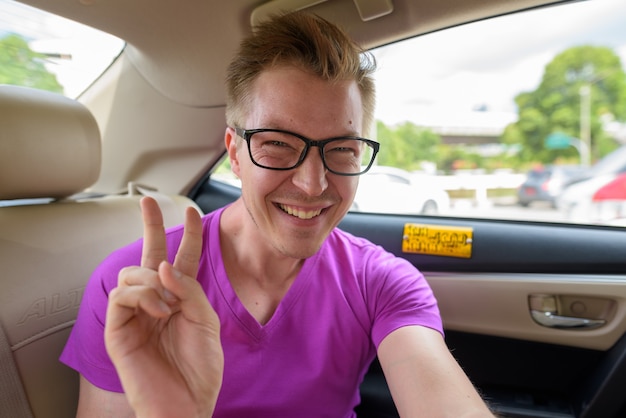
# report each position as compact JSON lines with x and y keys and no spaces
{"x":264,"y":308}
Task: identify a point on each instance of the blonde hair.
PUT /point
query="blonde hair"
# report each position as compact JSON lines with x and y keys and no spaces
{"x":308,"y":42}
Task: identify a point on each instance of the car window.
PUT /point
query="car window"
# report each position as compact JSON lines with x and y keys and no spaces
{"x":388,"y":178}
{"x":476,"y":108}
{"x":614,"y":162}
{"x":469,"y":113}
{"x":48,"y":52}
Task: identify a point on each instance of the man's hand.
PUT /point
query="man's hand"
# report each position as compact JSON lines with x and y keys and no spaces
{"x":161,"y":333}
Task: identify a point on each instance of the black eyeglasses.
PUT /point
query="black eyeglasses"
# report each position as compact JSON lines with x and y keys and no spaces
{"x":276,"y":149}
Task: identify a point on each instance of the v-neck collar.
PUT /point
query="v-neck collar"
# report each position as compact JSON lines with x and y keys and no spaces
{"x":237,"y":308}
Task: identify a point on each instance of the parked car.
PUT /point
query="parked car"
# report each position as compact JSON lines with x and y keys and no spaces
{"x":577,"y":200}
{"x":393,"y":190}
{"x":545,"y":184}
{"x":609,"y":202}
{"x":599,"y":200}
{"x":534,"y":312}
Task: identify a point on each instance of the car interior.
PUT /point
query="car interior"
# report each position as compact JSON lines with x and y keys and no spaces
{"x":535,"y":312}
{"x":52,"y":237}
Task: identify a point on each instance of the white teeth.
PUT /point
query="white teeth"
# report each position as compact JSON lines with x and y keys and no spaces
{"x":302,"y":214}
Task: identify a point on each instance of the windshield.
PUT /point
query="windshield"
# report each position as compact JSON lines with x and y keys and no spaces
{"x":48,"y":52}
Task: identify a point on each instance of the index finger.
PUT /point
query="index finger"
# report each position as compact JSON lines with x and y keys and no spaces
{"x":188,"y":255}
{"x":154,"y":249}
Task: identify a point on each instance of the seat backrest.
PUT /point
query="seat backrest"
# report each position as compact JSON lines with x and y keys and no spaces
{"x":50,"y":242}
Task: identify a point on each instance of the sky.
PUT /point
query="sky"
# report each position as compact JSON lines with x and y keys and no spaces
{"x":441,"y":78}
{"x":434,"y":80}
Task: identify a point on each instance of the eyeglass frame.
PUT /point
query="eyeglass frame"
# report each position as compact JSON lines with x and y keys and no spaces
{"x":246,"y":134}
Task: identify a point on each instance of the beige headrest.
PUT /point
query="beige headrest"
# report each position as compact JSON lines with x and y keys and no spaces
{"x":49,"y":145}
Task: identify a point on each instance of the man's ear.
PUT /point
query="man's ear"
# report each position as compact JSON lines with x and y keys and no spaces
{"x":230,"y":140}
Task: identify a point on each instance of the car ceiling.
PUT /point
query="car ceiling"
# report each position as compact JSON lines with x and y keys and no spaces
{"x":182,"y":48}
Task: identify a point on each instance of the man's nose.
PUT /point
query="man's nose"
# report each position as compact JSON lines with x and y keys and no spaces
{"x":310,"y":176}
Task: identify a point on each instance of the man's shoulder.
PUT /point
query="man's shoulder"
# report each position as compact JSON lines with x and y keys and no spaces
{"x":342,"y":245}
{"x":339,"y":237}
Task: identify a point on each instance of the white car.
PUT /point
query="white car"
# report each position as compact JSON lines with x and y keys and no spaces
{"x":392,"y":190}
{"x":577,"y":202}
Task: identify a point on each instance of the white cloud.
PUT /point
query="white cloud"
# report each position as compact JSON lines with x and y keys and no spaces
{"x":445,"y":75}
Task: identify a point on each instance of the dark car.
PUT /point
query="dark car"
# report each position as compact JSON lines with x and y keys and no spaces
{"x":546,"y":184}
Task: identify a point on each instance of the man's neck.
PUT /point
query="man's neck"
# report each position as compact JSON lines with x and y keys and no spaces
{"x":242,"y":244}
{"x":258,"y":273}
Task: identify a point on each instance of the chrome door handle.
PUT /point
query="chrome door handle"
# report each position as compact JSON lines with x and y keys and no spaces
{"x":573,"y":312}
{"x":549,"y":319}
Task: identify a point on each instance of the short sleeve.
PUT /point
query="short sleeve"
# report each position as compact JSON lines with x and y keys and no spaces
{"x":398,"y":295}
{"x":85,"y":350}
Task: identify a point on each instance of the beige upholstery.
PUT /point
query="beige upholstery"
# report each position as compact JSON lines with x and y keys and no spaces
{"x":48,"y":250}
{"x":49,"y":144}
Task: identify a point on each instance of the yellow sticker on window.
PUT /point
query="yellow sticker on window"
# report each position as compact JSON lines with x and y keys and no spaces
{"x":447,"y":241}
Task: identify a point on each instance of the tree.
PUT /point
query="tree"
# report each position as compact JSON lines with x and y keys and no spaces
{"x":406,"y":146}
{"x":556,"y":104}
{"x":19,"y":65}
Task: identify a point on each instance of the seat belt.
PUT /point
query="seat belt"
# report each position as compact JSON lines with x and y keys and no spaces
{"x":171,"y":212}
{"x":13,"y":401}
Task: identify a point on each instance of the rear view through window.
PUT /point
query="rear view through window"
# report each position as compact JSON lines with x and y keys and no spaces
{"x":51,"y":53}
{"x":510,"y":122}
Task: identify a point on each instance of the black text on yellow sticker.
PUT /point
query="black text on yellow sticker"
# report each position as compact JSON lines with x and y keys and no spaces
{"x":437,"y":240}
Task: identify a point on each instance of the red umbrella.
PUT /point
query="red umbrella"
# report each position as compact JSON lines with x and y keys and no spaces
{"x":613,"y":190}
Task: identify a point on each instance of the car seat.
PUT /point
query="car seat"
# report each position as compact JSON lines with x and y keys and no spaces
{"x":52,"y":235}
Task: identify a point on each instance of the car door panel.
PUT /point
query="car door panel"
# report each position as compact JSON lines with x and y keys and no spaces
{"x":505,"y":246}
{"x":522,"y":368}
{"x":498,"y":304}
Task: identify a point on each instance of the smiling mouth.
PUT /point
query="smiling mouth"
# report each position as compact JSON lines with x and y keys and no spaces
{"x":299,"y":213}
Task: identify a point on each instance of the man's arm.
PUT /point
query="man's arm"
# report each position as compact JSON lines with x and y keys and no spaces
{"x":424,"y":379}
{"x":99,"y":403}
{"x":161,"y":332}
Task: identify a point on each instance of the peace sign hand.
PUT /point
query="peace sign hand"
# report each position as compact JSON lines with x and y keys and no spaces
{"x":161,"y":332}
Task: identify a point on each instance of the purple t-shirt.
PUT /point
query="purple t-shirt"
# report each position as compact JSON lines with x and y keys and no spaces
{"x":310,"y":358}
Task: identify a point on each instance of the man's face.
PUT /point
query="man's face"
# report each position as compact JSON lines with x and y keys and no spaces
{"x":295,"y":210}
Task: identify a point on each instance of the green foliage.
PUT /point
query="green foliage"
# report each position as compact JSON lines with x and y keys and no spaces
{"x":19,"y":65}
{"x":453,"y":158}
{"x":556,"y":104}
{"x":406,"y":146}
